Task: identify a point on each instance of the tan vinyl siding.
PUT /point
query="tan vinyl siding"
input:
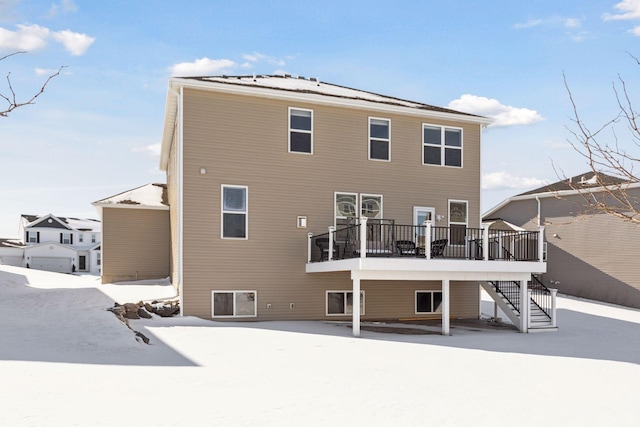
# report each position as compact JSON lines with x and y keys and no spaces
{"x":135,"y":244}
{"x":242,"y":140}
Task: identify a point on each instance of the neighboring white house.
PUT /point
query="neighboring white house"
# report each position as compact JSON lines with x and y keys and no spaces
{"x":51,"y":243}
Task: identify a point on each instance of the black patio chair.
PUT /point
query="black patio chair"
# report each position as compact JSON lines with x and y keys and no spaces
{"x":323,"y":244}
{"x":406,"y":247}
{"x":437,"y":247}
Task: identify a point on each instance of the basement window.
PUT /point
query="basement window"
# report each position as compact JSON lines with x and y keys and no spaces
{"x":233,"y":304}
{"x":428,"y":302}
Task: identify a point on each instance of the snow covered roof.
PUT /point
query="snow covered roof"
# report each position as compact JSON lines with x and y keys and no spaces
{"x":79,"y":224}
{"x":147,"y":196}
{"x":11,"y":243}
{"x":586,"y":182}
{"x":315,"y":86}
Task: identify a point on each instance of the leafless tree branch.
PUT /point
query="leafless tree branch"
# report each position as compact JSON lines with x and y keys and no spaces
{"x":619,"y":158}
{"x":11,"y":98}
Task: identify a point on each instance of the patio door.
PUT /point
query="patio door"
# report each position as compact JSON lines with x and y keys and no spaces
{"x":420,"y":215}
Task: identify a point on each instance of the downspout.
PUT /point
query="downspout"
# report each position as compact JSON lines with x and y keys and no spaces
{"x":179,"y":180}
{"x":539,"y":217}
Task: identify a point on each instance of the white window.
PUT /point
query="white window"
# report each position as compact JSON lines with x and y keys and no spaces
{"x":234,"y":303}
{"x":234,"y":212}
{"x":371,"y":206}
{"x":379,"y":139}
{"x":80,"y":238}
{"x":428,"y":302}
{"x":32,"y":237}
{"x":345,"y":208}
{"x":66,"y":239}
{"x":300,"y":130}
{"x":341,"y":303}
{"x":98,"y":258}
{"x":93,"y":238}
{"x":441,"y":146}
{"x":458,"y":214}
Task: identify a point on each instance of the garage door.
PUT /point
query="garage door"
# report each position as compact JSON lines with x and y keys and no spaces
{"x":59,"y":265}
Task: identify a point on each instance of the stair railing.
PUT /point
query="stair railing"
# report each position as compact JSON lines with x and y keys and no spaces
{"x":510,"y":291}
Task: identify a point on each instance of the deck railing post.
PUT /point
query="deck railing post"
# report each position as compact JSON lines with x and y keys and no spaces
{"x":427,"y":239}
{"x":363,"y":237}
{"x":485,"y":243}
{"x":332,"y":232}
{"x":541,"y":243}
{"x":309,"y":236}
{"x":553,"y":306}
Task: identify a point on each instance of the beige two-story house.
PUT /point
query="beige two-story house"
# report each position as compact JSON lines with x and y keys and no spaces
{"x":288,"y":196}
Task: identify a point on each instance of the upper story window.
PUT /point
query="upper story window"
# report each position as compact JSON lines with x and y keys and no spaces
{"x":33,"y":237}
{"x":66,"y":239}
{"x":300,"y":130}
{"x":379,"y":139}
{"x":93,"y":238}
{"x":441,"y":146}
{"x":80,"y":238}
{"x":234,"y":212}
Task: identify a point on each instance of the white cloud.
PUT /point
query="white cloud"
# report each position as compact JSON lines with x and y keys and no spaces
{"x":630,"y":9}
{"x":578,"y":37}
{"x":153,"y":150}
{"x":504,"y":180}
{"x":34,"y":37}
{"x":27,"y":37}
{"x":260,"y":57}
{"x":65,"y":6}
{"x":202,"y":67}
{"x":635,"y":31}
{"x":75,"y":43}
{"x":572,"y":23}
{"x":503,"y":115}
{"x":529,"y":24}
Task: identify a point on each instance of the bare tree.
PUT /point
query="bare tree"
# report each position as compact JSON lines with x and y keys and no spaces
{"x":613,"y":161}
{"x":11,"y":98}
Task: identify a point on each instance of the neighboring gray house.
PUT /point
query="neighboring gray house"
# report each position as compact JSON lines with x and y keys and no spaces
{"x":589,"y":254}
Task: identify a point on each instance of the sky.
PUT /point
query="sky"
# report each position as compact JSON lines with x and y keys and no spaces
{"x":58,"y":371}
{"x":96,"y":129}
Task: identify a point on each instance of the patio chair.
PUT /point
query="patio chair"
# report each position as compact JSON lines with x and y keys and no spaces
{"x":406,"y":247}
{"x":437,"y":247}
{"x":323,"y":244}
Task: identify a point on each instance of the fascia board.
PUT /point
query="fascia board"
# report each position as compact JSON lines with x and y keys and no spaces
{"x":326,"y":100}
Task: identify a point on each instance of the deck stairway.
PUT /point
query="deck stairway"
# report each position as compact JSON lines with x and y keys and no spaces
{"x":506,"y":295}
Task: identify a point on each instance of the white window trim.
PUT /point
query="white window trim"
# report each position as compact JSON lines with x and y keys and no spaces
{"x":372,"y":195}
{"x":415,"y":301}
{"x":66,"y":238}
{"x":442,"y":145}
{"x":32,"y":235}
{"x":246,"y":212}
{"x":466,"y":224}
{"x":80,"y":238}
{"x":388,"y":140}
{"x":326,"y":303}
{"x":234,"y":292}
{"x":299,"y":130}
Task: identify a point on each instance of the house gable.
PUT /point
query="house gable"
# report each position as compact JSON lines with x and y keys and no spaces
{"x":48,"y":221}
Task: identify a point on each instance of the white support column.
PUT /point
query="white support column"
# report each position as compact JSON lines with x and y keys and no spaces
{"x":363,"y":237}
{"x":485,"y":243}
{"x":309,"y":236}
{"x":427,"y":239}
{"x":355,"y":324}
{"x":541,"y":243}
{"x":332,"y":232}
{"x":524,"y":307}
{"x":445,"y":307}
{"x":553,"y":307}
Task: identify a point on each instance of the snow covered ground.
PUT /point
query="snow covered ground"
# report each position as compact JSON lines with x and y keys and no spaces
{"x":66,"y":361}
